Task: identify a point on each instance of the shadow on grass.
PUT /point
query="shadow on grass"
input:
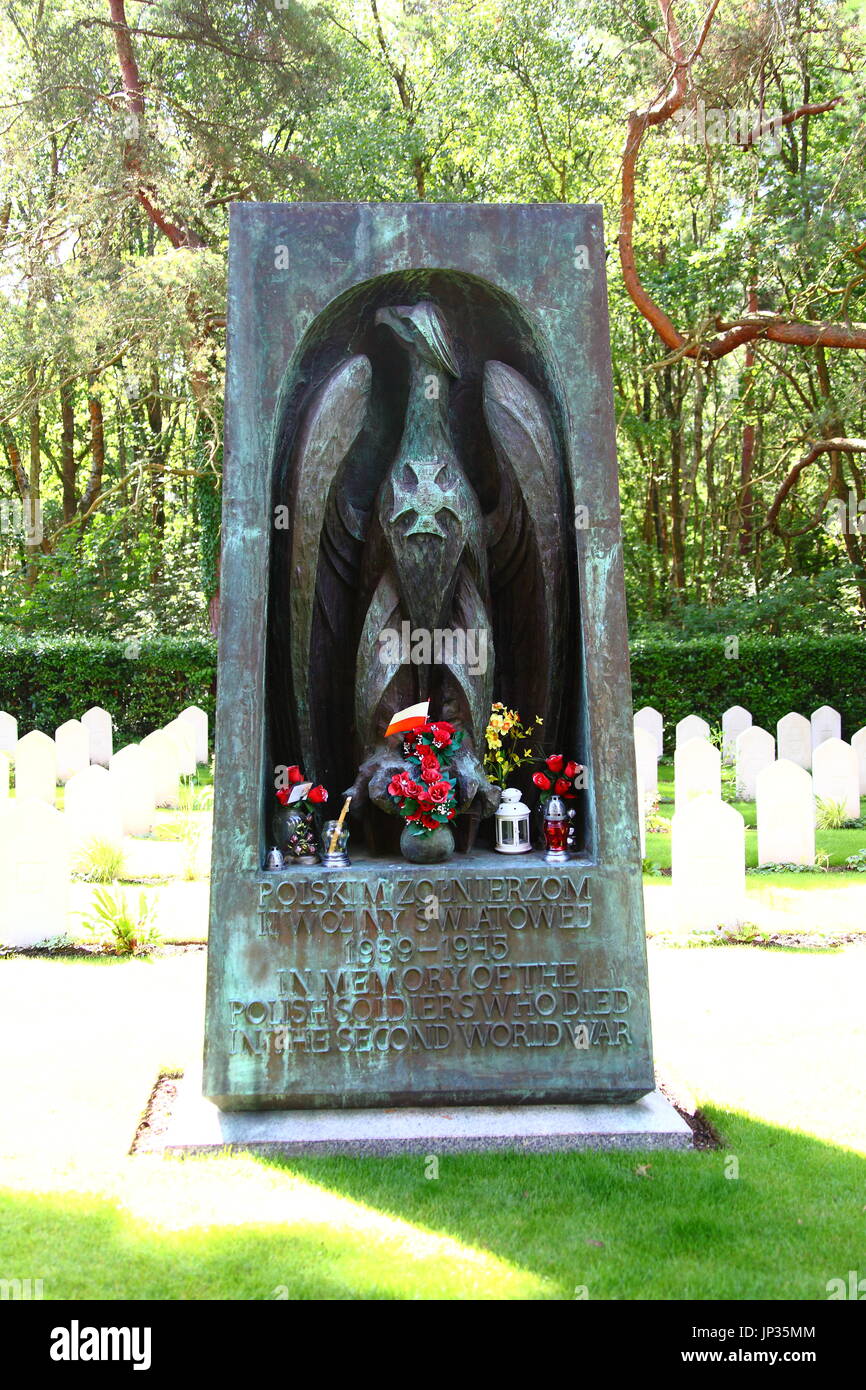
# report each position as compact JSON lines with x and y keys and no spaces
{"x":773,"y":1216}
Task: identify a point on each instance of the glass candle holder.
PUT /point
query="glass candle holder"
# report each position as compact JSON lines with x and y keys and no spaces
{"x":335,"y":843}
{"x":556,"y":831}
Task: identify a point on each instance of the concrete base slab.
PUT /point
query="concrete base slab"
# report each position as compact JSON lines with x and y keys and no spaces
{"x":197,"y":1126}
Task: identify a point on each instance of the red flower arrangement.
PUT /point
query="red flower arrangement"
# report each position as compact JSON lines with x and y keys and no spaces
{"x":426,"y":797}
{"x":316,"y":796}
{"x":559,"y":778}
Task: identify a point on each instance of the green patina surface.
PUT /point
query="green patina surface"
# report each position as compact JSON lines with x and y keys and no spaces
{"x":491,"y":978}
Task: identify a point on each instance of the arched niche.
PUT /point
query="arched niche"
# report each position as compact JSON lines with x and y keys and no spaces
{"x":485,"y":324}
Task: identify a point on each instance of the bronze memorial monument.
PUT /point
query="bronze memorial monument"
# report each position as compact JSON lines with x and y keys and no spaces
{"x":421,"y":523}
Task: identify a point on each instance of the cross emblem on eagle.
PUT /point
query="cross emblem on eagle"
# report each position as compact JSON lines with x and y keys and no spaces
{"x":427,"y":499}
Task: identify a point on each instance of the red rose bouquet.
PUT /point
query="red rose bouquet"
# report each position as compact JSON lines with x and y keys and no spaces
{"x":559,"y":778}
{"x":308,"y":800}
{"x":426,"y":796}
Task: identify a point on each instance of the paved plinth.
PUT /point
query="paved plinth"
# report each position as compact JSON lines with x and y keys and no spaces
{"x":198,"y":1126}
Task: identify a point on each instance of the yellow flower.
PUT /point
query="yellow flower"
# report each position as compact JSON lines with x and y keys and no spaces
{"x":493,"y":741}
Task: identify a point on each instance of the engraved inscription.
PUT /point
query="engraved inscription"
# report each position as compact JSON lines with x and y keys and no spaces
{"x":429,"y":963}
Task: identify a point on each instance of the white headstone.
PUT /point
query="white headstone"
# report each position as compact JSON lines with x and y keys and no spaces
{"x":794,"y":734}
{"x":836,"y":775}
{"x":198,"y":719}
{"x":691,"y":727}
{"x":165,"y":765}
{"x":5,"y":765}
{"x":131,"y":775}
{"x":734,"y":721}
{"x":36,"y":767}
{"x":72,"y":742}
{"x":8,"y":732}
{"x":97,"y":722}
{"x":708,"y":861}
{"x":641,"y":821}
{"x":649,"y":719}
{"x":92,"y":809}
{"x":697,"y":771}
{"x":647,"y":762}
{"x":184,"y":736}
{"x":826,"y":723}
{"x":754,"y":750}
{"x":34,"y":872}
{"x":786,"y":814}
{"x":858,"y":743}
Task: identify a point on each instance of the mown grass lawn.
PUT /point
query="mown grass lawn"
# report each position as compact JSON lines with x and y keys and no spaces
{"x":772,"y":1046}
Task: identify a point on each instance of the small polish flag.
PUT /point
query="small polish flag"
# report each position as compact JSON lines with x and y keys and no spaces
{"x":412,"y":717}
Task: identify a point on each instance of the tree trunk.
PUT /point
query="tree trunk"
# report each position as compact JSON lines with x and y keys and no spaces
{"x":67,"y":451}
{"x":33,"y":503}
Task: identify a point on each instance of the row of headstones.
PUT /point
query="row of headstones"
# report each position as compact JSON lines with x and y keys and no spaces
{"x":112,"y":796}
{"x":785,"y":796}
{"x":798,"y":737}
{"x":839,"y":769}
{"x":107,"y":794}
{"x":708,"y":836}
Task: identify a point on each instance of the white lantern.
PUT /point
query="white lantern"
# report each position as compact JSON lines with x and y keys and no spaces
{"x":512,"y":823}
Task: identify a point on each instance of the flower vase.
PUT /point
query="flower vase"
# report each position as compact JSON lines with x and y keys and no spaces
{"x":295,"y":834}
{"x":433,"y":847}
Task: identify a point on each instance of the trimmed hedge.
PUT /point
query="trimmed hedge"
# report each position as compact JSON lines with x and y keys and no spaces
{"x":770,"y":677}
{"x":46,"y":680}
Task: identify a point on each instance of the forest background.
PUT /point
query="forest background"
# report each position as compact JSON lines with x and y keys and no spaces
{"x":725,"y":142}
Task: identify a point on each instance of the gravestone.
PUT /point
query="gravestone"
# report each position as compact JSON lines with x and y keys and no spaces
{"x":97,"y":722}
{"x":708,"y":865}
{"x":184,"y":736}
{"x":397,"y":374}
{"x":34,"y":872}
{"x":650,"y":719}
{"x":72,"y":743}
{"x":164,"y":756}
{"x":8,"y":733}
{"x":5,"y":767}
{"x":858,"y":743}
{"x":836,"y":775}
{"x":734,"y":721}
{"x":198,"y":719}
{"x":647,"y":762}
{"x":794,"y":736}
{"x":785,"y":810}
{"x":92,"y":810}
{"x":134,"y":788}
{"x":691,"y":727}
{"x":826,"y":723}
{"x":36,"y":768}
{"x":697,"y":771}
{"x":755,"y":749}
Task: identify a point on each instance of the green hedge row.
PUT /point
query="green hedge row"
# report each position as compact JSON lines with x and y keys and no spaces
{"x":769,"y":676}
{"x":46,"y":680}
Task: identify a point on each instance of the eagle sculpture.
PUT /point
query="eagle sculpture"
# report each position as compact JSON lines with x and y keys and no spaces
{"x":369,"y":566}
